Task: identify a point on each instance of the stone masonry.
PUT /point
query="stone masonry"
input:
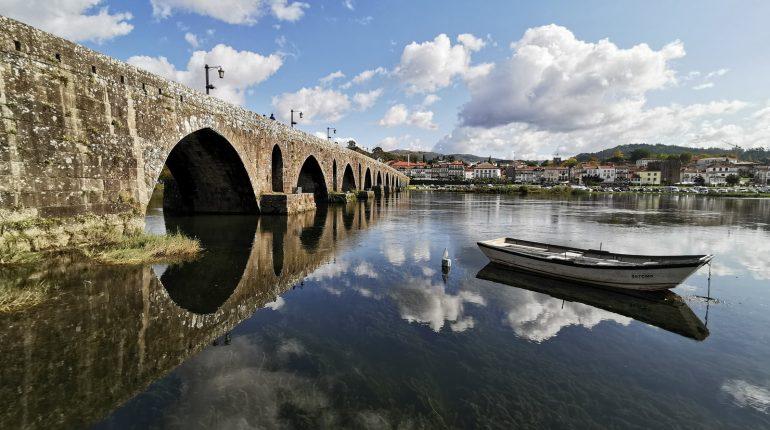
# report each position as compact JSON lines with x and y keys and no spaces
{"x":84,"y":137}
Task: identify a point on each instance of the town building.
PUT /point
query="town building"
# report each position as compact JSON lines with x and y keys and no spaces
{"x":554,"y":175}
{"x":606,"y":173}
{"x":707,"y":161}
{"x":486,"y":170}
{"x":762,"y":175}
{"x":646,"y":177}
{"x":716,"y":174}
{"x":528,"y":175}
{"x":670,"y":170}
{"x":643,"y":162}
{"x":454,"y":170}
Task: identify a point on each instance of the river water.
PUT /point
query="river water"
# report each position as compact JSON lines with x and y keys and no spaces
{"x":342,"y":318}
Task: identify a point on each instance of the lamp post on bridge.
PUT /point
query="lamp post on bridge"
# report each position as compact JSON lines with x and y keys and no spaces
{"x":220,"y":71}
{"x":329,"y":131}
{"x":293,"y":123}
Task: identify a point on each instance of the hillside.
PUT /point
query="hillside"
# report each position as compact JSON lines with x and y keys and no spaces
{"x":665,"y":150}
{"x":418,"y":156}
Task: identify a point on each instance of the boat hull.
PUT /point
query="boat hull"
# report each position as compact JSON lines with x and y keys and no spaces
{"x":629,"y":278}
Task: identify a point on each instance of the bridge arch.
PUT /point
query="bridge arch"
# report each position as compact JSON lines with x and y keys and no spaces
{"x":368,"y":179}
{"x":205,"y":174}
{"x":379,"y":178}
{"x":276,"y":163}
{"x":348,"y":179}
{"x":311,"y":179}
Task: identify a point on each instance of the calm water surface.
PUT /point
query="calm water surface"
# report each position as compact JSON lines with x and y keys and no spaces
{"x":342,"y":318}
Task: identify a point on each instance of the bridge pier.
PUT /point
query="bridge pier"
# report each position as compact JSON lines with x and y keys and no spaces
{"x":286,"y":204}
{"x":378,"y":190}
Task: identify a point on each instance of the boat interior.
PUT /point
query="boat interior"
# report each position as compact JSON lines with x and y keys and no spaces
{"x":591,"y":256}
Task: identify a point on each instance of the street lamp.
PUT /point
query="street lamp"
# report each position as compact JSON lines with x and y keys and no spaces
{"x":293,"y":123}
{"x":220,"y":71}
{"x":329,"y":131}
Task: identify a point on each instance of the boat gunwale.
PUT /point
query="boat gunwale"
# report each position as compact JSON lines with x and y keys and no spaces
{"x":696,"y":260}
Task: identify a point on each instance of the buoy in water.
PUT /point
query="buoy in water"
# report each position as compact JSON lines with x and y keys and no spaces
{"x":446,"y":263}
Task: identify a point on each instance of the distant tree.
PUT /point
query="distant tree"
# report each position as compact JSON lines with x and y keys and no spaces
{"x":639,"y":153}
{"x":531,"y":163}
{"x":685,"y":157}
{"x":593,"y":159}
{"x":571,"y":162}
{"x":545,"y":163}
{"x":699,"y":181}
{"x":423,"y":158}
{"x":352,"y":144}
{"x":732,"y":180}
{"x":451,"y":158}
{"x":617,"y":156}
{"x":489,"y":160}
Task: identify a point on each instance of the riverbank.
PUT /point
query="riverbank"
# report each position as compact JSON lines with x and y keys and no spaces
{"x":581,"y":190}
{"x":504,"y":189}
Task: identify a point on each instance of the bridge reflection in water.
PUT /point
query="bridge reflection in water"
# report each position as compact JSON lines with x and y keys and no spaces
{"x":108,"y":332}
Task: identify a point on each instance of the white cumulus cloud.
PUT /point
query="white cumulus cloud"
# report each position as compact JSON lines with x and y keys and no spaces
{"x":368,"y":99}
{"x":365,"y":76}
{"x":245,"y":12}
{"x":326,"y":80}
{"x":76,"y":20}
{"x":555,"y":81}
{"x":285,"y":11}
{"x":432,"y":65}
{"x":315,"y":103}
{"x":243,"y":69}
{"x":191,"y":39}
{"x":399,"y":114}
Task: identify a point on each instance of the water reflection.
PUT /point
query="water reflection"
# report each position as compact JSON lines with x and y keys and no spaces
{"x":203,"y":285}
{"x":665,"y":310}
{"x":358,"y":328}
{"x":109,"y":332}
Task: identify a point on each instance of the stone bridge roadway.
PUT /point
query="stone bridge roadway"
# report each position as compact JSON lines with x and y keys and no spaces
{"x":84,"y":138}
{"x":106,"y":332}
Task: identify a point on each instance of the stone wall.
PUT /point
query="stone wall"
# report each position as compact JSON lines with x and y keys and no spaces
{"x":84,"y":137}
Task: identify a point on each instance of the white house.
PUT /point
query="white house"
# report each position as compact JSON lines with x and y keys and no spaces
{"x":486,"y":170}
{"x":606,"y":173}
{"x":643,"y":162}
{"x":716,"y":174}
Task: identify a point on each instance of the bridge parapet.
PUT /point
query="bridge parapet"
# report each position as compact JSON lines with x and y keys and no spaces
{"x":84,"y":138}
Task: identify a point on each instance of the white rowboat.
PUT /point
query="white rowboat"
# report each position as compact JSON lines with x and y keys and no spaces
{"x":594,"y":267}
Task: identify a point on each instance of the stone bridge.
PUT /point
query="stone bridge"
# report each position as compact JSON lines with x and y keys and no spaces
{"x":84,"y":139}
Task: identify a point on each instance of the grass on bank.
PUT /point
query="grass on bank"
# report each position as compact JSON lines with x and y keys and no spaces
{"x":147,"y":248}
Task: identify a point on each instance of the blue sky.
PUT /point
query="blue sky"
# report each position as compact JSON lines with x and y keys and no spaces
{"x":686,"y":72}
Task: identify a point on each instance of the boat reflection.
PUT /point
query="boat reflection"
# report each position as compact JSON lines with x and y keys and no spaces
{"x":665,"y":309}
